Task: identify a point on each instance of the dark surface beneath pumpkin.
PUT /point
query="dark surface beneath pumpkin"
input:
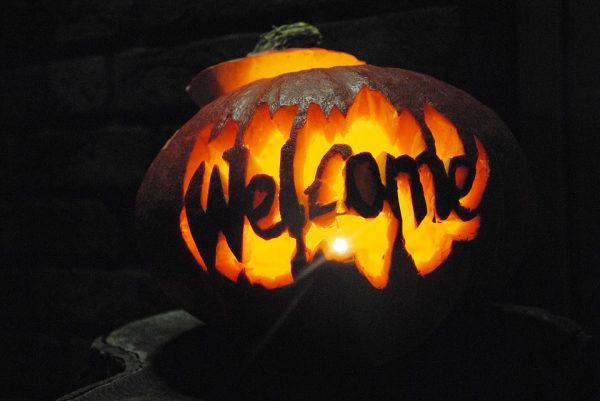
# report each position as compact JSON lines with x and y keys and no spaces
{"x":501,"y":355}
{"x":496,"y":352}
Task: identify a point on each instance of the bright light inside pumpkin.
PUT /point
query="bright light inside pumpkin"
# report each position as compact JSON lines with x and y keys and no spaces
{"x":360,"y":227}
{"x":340,"y":245}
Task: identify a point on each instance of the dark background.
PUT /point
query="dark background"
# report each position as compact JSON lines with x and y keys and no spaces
{"x":92,"y":89}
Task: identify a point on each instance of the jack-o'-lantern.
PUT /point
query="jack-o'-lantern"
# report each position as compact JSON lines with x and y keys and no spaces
{"x":358,"y":202}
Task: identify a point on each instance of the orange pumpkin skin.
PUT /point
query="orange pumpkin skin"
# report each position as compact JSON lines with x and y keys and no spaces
{"x":337,"y":303}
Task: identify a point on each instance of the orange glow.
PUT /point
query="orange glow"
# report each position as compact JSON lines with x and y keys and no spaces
{"x":211,"y":154}
{"x":184,"y":225}
{"x":198,"y":155}
{"x":430,"y":243}
{"x":461,"y":177}
{"x":447,"y":141}
{"x":369,"y":243}
{"x":372,"y":126}
{"x":234,"y":74}
{"x":412,"y":142}
{"x":482,"y":172}
{"x":264,"y":261}
{"x":267,"y":261}
{"x":264,"y":137}
{"x":225,"y":261}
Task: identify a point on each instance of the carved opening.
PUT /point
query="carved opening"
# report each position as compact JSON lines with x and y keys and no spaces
{"x":341,"y":186}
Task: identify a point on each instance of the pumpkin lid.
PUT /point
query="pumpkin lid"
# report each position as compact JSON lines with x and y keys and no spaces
{"x":225,"y":77}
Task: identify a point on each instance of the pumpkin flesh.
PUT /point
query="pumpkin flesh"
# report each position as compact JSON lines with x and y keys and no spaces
{"x":371,"y":126}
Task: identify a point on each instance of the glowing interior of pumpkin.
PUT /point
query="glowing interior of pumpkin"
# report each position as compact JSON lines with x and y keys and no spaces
{"x":323,"y":149}
{"x":233,"y":74}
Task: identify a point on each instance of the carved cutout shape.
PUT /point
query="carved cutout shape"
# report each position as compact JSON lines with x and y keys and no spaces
{"x":358,"y":181}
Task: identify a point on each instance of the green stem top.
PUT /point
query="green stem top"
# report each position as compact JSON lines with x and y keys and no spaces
{"x":298,"y":34}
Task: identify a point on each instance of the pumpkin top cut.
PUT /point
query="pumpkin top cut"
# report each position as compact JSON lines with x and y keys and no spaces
{"x":228,"y":76}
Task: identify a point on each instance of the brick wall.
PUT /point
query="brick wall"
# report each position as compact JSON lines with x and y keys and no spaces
{"x":90,"y":92}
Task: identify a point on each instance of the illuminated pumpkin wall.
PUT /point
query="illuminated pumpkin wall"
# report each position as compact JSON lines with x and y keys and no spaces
{"x":384,"y":189}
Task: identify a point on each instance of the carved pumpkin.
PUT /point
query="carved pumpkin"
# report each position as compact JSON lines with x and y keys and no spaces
{"x":356,"y":201}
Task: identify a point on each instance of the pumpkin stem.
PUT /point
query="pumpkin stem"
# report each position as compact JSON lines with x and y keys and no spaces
{"x":298,"y":34}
